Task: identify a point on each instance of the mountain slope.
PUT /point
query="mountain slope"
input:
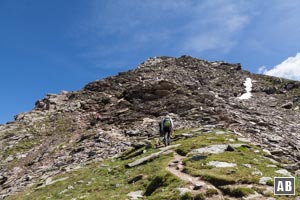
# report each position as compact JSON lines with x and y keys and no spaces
{"x":108,"y":116}
{"x":219,"y":165}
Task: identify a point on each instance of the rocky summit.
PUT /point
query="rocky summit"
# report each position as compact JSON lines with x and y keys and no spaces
{"x":67,"y":131}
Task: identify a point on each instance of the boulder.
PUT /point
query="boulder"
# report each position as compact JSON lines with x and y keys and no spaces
{"x":135,"y":179}
{"x":3,"y":179}
{"x":135,"y":195}
{"x":213,"y":149}
{"x":221,"y":164}
{"x":288,"y":105}
{"x":264,"y":180}
{"x":284,"y":172}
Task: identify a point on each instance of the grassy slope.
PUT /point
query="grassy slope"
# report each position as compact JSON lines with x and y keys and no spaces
{"x":109,"y":179}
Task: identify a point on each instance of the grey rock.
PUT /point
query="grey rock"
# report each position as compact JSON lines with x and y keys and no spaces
{"x":267,"y":152}
{"x":135,"y":179}
{"x":135,"y":195}
{"x":221,"y":132}
{"x":264,"y":180}
{"x":284,"y":172}
{"x":9,"y":159}
{"x":230,"y":148}
{"x":272,"y":160}
{"x":275,"y":138}
{"x":293,"y":167}
{"x":271,"y":198}
{"x":247,"y":166}
{"x":288,"y":105}
{"x":3,"y":179}
{"x":187,"y":135}
{"x":256,"y":173}
{"x":248,"y":140}
{"x":213,"y":149}
{"x":183,"y":191}
{"x":221,"y":164}
{"x":198,"y":157}
{"x":197,"y":187}
{"x":277,"y":152}
{"x":254,"y":196}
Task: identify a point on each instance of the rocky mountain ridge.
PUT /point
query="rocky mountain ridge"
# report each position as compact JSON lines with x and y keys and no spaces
{"x":67,"y":130}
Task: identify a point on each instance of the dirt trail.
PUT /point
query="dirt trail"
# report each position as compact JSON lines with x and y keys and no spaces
{"x":195,"y":184}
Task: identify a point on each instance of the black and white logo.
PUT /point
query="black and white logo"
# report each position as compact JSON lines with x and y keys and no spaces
{"x":284,"y":185}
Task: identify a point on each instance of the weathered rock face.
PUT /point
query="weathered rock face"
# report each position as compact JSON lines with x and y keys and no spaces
{"x":106,"y":117}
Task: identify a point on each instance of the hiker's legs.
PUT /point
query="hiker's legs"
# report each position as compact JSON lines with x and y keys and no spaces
{"x":169,"y":134}
{"x":166,"y":138}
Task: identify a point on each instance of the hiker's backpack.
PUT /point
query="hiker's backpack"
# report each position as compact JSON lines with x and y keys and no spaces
{"x":167,"y":123}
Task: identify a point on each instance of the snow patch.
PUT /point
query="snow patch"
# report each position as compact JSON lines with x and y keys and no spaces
{"x":248,"y":85}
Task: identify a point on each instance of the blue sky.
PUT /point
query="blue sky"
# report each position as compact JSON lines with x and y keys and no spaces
{"x":49,"y":46}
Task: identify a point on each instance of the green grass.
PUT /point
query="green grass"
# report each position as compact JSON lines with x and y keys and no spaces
{"x":223,"y":176}
{"x":202,"y":140}
{"x":211,"y":192}
{"x":237,"y":191}
{"x":21,"y":146}
{"x":109,"y":179}
{"x":227,"y":176}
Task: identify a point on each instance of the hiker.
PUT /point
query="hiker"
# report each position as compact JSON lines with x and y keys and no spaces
{"x":166,"y":128}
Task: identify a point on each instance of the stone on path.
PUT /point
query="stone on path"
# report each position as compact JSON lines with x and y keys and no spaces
{"x":284,"y":172}
{"x":135,"y":195}
{"x":213,"y":149}
{"x":182,"y":191}
{"x":264,"y":180}
{"x":221,"y":164}
{"x":217,"y":148}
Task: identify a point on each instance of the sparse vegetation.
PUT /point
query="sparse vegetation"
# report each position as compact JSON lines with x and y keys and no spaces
{"x":157,"y":182}
{"x":105,"y":100}
{"x":270,"y":182}
{"x":237,"y":191}
{"x":187,"y":196}
{"x":101,"y":180}
{"x":211,"y":192}
{"x":199,"y":196}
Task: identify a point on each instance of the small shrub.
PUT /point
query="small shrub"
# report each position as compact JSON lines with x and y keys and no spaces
{"x":211,"y":192}
{"x":259,"y":190}
{"x":105,"y":100}
{"x":187,"y":196}
{"x":270,"y":182}
{"x":132,"y":153}
{"x":181,"y":152}
{"x":154,"y":184}
{"x":218,"y":180}
{"x":237,"y":192}
{"x":199,"y":196}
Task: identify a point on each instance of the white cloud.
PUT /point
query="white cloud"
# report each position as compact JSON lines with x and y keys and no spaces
{"x":203,"y":42}
{"x":262,"y":70}
{"x":170,"y":26}
{"x":275,"y":29}
{"x":290,"y":68}
{"x":216,"y":26}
